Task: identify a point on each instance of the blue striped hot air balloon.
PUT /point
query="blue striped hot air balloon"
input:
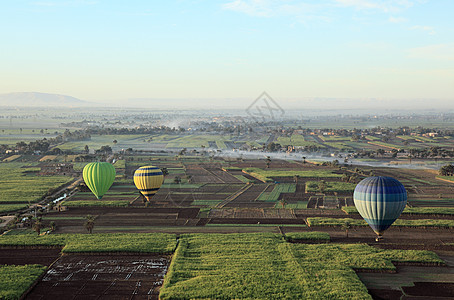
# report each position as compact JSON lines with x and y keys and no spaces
{"x":380,"y":200}
{"x":148,"y":180}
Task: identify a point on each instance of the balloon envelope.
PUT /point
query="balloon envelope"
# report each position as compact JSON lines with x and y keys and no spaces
{"x":148,"y":180}
{"x":99,"y":176}
{"x":380,"y":200}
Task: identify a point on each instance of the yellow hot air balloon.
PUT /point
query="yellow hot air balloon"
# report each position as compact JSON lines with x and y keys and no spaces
{"x":148,"y":180}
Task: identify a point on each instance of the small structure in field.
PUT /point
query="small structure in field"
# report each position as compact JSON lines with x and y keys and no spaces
{"x":57,"y":169}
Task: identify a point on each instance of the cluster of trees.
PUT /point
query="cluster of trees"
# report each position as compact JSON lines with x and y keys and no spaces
{"x":138,"y":130}
{"x":276,"y":147}
{"x":447,"y":170}
{"x":40,"y":145}
{"x":434,"y":151}
{"x":44,"y":144}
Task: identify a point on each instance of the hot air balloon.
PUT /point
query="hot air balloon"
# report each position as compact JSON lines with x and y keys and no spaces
{"x":148,"y":180}
{"x":380,"y":200}
{"x":99,"y":176}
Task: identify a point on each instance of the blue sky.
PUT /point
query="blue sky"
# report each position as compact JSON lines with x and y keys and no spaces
{"x":112,"y":50}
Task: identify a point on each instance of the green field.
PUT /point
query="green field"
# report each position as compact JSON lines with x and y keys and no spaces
{"x":321,"y":221}
{"x":340,"y":146}
{"x":264,"y":266}
{"x":230,"y":266}
{"x":276,"y":192}
{"x":313,"y":186}
{"x":11,"y":207}
{"x":210,"y":203}
{"x":333,"y":138}
{"x":307,"y":236}
{"x":100,"y":203}
{"x":243,"y":179}
{"x":413,"y":210}
{"x":159,"y":243}
{"x":15,"y":280}
{"x":19,"y":186}
{"x":298,"y":205}
{"x":450,"y":178}
{"x":297,"y":140}
{"x":97,"y":141}
{"x":268,"y":175}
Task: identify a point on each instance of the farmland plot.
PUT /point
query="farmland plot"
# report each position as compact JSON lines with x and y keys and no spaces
{"x":264,"y":266}
{"x":19,"y":186}
{"x":103,"y":277}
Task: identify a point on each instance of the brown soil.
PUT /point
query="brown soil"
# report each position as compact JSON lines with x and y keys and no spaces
{"x":382,"y":294}
{"x":430,"y":289}
{"x":15,"y":256}
{"x":102,"y":277}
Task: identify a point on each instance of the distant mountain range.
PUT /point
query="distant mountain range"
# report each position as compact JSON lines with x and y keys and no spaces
{"x":40,"y":99}
{"x":318,"y":105}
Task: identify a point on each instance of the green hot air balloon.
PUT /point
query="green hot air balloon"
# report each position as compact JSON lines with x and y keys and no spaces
{"x":99,"y":176}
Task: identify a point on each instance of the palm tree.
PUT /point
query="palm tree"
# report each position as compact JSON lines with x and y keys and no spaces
{"x":322,"y":186}
{"x":165,"y":172}
{"x":177,"y":180}
{"x":283,"y":203}
{"x":37,"y":225}
{"x":345,"y":177}
{"x":346,"y":226}
{"x":52,"y":225}
{"x":90,"y":223}
{"x":295,"y":178}
{"x":268,"y":162}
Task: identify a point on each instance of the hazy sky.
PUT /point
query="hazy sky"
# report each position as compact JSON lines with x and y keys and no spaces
{"x":99,"y":50}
